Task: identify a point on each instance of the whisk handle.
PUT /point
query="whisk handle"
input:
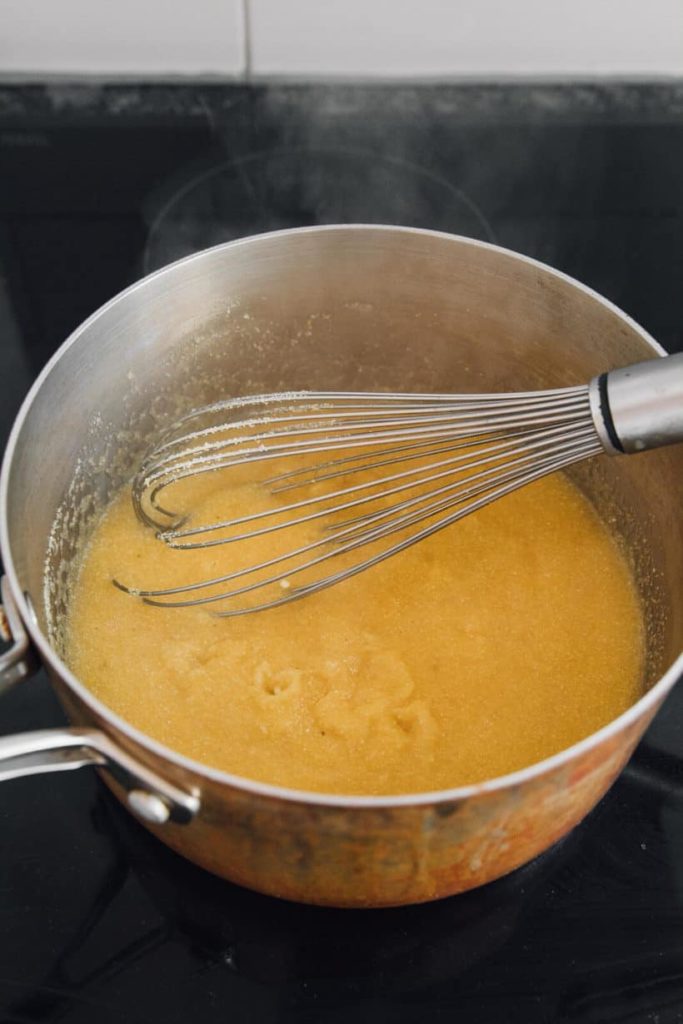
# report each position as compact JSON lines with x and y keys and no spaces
{"x":640,"y":406}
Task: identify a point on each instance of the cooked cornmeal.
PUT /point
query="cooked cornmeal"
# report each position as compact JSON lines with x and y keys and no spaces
{"x":493,"y":644}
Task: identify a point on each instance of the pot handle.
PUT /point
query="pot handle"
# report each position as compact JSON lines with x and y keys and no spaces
{"x":56,"y":750}
{"x":19,"y":661}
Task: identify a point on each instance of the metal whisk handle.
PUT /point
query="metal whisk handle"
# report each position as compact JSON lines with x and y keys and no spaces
{"x":639,"y":407}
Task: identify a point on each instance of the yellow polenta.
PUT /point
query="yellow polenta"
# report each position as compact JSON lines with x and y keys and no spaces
{"x":493,"y":644}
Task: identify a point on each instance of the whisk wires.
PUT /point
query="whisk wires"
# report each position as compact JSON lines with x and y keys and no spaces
{"x":346,"y":480}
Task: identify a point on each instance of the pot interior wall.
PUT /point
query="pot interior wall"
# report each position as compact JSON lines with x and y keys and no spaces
{"x":326,"y":309}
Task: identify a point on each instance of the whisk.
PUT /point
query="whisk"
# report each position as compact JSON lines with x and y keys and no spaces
{"x":389,"y":470}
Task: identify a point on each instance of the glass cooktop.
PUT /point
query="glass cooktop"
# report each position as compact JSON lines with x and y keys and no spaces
{"x":102,"y":184}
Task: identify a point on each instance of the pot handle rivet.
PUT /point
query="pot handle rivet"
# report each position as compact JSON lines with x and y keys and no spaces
{"x":149,"y":806}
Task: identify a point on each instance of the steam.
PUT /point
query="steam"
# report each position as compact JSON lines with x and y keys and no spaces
{"x":334,"y":154}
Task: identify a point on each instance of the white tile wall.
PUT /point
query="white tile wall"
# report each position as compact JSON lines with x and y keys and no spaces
{"x":342,"y":37}
{"x":466,"y":37}
{"x":122,"y":37}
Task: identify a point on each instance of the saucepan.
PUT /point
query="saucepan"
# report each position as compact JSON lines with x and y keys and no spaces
{"x":345,"y":308}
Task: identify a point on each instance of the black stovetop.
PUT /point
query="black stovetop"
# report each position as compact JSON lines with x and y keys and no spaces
{"x":101,"y":184}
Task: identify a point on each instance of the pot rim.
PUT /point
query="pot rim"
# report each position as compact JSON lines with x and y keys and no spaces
{"x":646,"y":703}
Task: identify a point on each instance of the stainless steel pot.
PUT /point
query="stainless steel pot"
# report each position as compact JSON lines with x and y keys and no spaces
{"x":342,"y":308}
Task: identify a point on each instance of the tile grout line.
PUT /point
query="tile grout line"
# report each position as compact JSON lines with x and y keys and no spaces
{"x":246,"y":39}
